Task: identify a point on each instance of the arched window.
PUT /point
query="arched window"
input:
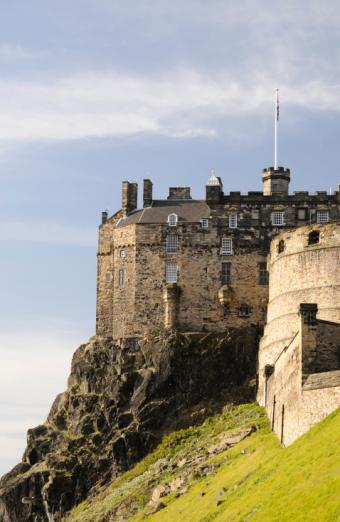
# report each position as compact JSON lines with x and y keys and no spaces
{"x":281,"y":246}
{"x":172,"y":220}
{"x":313,"y":237}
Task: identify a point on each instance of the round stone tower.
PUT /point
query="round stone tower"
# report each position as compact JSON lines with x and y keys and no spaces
{"x":303,"y":268}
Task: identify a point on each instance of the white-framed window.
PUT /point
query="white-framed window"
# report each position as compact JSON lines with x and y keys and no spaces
{"x":122,"y":254}
{"x":121,"y":278}
{"x":226,"y":246}
{"x":233,"y":220}
{"x":171,"y":273}
{"x":172,"y":220}
{"x":277,"y":219}
{"x":171,"y":244}
{"x":322,"y":216}
{"x":205,"y":223}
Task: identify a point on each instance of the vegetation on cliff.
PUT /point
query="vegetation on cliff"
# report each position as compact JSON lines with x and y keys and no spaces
{"x":123,"y":397}
{"x":192,"y":477}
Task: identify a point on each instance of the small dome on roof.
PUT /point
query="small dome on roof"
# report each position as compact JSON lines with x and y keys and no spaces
{"x":213,"y":180}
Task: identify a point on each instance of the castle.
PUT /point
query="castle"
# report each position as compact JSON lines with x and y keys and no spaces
{"x":205,"y":265}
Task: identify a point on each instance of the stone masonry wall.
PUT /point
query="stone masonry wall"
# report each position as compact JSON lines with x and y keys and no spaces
{"x":301,"y":273}
{"x":138,"y":307}
{"x":295,"y":400}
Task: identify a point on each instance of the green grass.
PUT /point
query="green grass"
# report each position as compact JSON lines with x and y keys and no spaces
{"x":257,"y":480}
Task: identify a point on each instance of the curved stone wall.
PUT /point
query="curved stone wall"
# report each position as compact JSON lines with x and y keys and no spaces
{"x":300,"y":273}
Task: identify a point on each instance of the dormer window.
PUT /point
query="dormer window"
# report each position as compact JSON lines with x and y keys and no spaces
{"x":172,"y":220}
{"x":233,"y":220}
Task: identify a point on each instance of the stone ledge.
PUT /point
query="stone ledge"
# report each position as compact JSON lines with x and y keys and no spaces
{"x":317,"y":381}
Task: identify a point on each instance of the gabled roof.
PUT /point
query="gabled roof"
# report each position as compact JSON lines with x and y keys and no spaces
{"x":189,"y":211}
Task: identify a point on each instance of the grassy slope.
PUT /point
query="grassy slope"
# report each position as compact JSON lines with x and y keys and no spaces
{"x":257,"y":480}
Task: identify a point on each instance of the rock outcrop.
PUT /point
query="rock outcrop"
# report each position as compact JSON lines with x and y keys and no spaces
{"x":122,"y":396}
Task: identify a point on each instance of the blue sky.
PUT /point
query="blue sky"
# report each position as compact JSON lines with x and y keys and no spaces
{"x":94,"y":92}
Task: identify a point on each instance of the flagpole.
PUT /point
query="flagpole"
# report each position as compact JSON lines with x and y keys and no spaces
{"x":276,"y":126}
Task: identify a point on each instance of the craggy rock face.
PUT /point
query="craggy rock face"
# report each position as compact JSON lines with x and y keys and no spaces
{"x":122,"y":397}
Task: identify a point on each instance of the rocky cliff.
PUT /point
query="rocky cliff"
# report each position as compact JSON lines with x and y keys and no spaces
{"x":122,"y":396}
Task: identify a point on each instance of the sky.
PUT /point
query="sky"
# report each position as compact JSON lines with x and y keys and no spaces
{"x":93,"y":92}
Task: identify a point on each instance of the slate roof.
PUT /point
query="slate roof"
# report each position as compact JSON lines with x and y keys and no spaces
{"x":188,"y":210}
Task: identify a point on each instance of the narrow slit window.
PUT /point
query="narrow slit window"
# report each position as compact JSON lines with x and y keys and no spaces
{"x":263,"y":274}
{"x":171,"y":244}
{"x":171,"y":273}
{"x":226,"y":274}
{"x":121,"y":278}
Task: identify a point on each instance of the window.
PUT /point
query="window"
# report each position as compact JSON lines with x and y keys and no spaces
{"x":122,"y":254}
{"x":226,"y":246}
{"x":277,"y":219}
{"x":226,"y":274}
{"x":244,"y":310}
{"x":172,"y":220}
{"x":281,"y":246}
{"x":204,"y":223}
{"x":121,"y":278}
{"x":301,"y":214}
{"x":263,"y":274}
{"x":232,"y":220}
{"x":255,"y":213}
{"x":108,"y":278}
{"x":171,"y":244}
{"x":313,"y":237}
{"x":322,"y":216}
{"x":171,"y":273}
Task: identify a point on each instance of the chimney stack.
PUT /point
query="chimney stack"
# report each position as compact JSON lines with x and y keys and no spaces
{"x":147,"y":193}
{"x":129,"y":197}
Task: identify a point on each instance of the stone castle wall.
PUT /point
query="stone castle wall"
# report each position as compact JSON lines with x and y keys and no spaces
{"x":139,"y":306}
{"x":299,"y":356}
{"x":300,"y":273}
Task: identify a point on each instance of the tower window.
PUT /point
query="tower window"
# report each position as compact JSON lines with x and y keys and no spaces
{"x":226,"y":246}
{"x":171,"y":273}
{"x":233,"y":220}
{"x":171,"y":244}
{"x":313,"y":237}
{"x":277,"y":219}
{"x":263,"y":274}
{"x":244,"y":310}
{"x":108,"y":278}
{"x":122,"y":254}
{"x":226,"y":274}
{"x":322,"y":216}
{"x":172,"y":220}
{"x":281,"y":246}
{"x":121,"y":278}
{"x":204,"y":223}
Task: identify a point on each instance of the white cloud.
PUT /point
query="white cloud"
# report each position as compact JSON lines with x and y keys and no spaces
{"x":184,"y":103}
{"x":52,"y":233}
